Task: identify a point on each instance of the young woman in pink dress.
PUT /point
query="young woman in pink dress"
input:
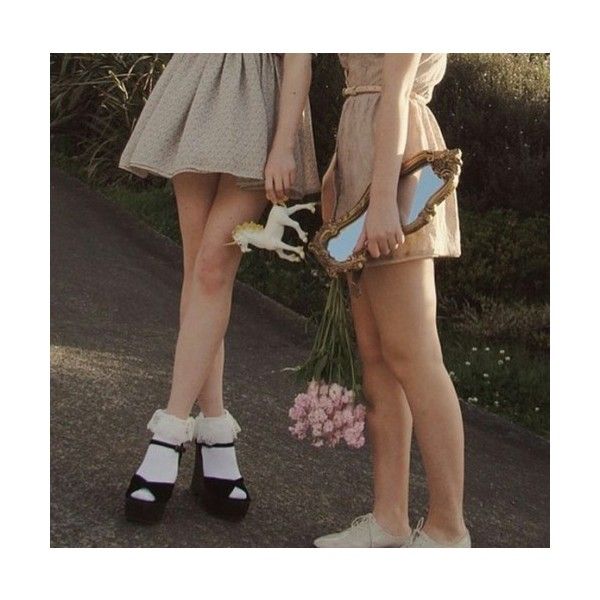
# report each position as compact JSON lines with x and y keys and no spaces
{"x":385,"y":120}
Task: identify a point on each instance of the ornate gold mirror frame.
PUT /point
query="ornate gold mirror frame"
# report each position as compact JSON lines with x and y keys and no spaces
{"x":446,"y":164}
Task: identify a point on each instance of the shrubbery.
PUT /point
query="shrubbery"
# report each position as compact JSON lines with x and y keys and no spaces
{"x":95,"y":100}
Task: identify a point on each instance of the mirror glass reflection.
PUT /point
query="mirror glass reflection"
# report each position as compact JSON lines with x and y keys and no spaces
{"x":341,"y":246}
{"x":414,"y":191}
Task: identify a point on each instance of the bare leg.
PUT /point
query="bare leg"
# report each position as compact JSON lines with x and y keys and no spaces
{"x":389,"y":421}
{"x":403,"y":301}
{"x":207,"y":314}
{"x":195,"y":194}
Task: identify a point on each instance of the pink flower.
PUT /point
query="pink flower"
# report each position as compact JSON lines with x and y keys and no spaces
{"x":328,"y":414}
{"x":335,"y":391}
{"x":317,"y":416}
{"x":338,"y":420}
{"x":327,"y":405}
{"x":296,"y":412}
{"x":360,"y":412}
{"x":348,"y":415}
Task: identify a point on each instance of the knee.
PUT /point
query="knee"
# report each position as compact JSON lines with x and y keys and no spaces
{"x":214,"y":269}
{"x":373,"y":369}
{"x":413,"y":360}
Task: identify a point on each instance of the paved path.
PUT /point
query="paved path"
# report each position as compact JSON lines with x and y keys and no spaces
{"x":115,"y":288}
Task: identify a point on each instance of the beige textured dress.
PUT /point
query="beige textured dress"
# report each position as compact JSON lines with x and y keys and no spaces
{"x":216,"y":113}
{"x":351,"y":168}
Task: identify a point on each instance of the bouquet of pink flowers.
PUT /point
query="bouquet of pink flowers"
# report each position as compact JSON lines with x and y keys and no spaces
{"x":326,"y":413}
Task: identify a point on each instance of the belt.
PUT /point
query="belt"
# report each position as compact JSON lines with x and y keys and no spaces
{"x":355,"y":90}
{"x":361,"y":89}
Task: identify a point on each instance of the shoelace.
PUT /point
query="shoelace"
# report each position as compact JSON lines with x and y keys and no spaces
{"x":416,"y":532}
{"x":360,"y":520}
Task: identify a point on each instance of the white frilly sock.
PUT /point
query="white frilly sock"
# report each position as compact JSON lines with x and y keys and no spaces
{"x":161,"y":464}
{"x":219,"y":462}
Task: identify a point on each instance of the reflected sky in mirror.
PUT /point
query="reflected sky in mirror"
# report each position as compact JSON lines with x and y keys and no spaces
{"x":428,"y":184}
{"x":341,"y":246}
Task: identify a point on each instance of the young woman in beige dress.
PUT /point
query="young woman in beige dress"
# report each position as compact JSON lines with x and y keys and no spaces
{"x":210,"y":126}
{"x":385,"y":120}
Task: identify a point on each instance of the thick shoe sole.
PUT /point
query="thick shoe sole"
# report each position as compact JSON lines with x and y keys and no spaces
{"x":225,"y":508}
{"x":146,"y":513}
{"x":231,"y":509}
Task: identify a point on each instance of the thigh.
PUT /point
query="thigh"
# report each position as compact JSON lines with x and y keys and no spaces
{"x":403,"y":299}
{"x":365,"y":328}
{"x":195,"y":193}
{"x":231,"y":207}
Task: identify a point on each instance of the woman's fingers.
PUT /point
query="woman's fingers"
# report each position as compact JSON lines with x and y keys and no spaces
{"x":373,"y":248}
{"x":279,"y":188}
{"x":289,"y":181}
{"x":269,"y":188}
{"x":384,"y":245}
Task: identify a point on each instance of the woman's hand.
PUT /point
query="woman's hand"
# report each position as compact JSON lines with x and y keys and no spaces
{"x":382,"y":232}
{"x":280,"y":174}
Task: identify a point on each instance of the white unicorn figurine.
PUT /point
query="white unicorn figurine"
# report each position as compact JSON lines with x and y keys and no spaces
{"x":269,"y":236}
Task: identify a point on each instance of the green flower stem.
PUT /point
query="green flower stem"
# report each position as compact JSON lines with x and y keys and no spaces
{"x":332,"y":356}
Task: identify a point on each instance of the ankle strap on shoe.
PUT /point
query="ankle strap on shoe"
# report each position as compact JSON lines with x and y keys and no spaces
{"x":205,"y":445}
{"x":179,"y":448}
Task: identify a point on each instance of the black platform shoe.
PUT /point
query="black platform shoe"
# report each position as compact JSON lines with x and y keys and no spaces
{"x":214,"y":493}
{"x":148,"y":512}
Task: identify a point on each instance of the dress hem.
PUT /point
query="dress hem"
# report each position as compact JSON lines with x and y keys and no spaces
{"x":378,"y":262}
{"x":142,"y":170}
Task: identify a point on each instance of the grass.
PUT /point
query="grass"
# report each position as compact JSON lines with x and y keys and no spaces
{"x":518,"y":388}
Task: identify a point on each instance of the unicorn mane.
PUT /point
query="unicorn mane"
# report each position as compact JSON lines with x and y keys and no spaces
{"x":247,"y":226}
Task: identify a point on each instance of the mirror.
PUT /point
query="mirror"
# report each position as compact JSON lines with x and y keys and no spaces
{"x":426,"y":180}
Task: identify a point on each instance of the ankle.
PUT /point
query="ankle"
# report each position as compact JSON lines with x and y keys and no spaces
{"x":447,"y":530}
{"x":394,"y":521}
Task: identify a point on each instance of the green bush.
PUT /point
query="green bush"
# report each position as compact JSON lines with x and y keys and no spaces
{"x":504,"y":255}
{"x":95,"y":101}
{"x":496,"y":107}
{"x":527,"y":324}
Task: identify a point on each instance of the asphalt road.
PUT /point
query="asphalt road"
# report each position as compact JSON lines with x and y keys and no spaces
{"x":114,"y":304}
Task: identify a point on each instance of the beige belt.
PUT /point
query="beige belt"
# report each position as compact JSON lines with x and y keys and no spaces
{"x":355,"y":90}
{"x":361,"y":89}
